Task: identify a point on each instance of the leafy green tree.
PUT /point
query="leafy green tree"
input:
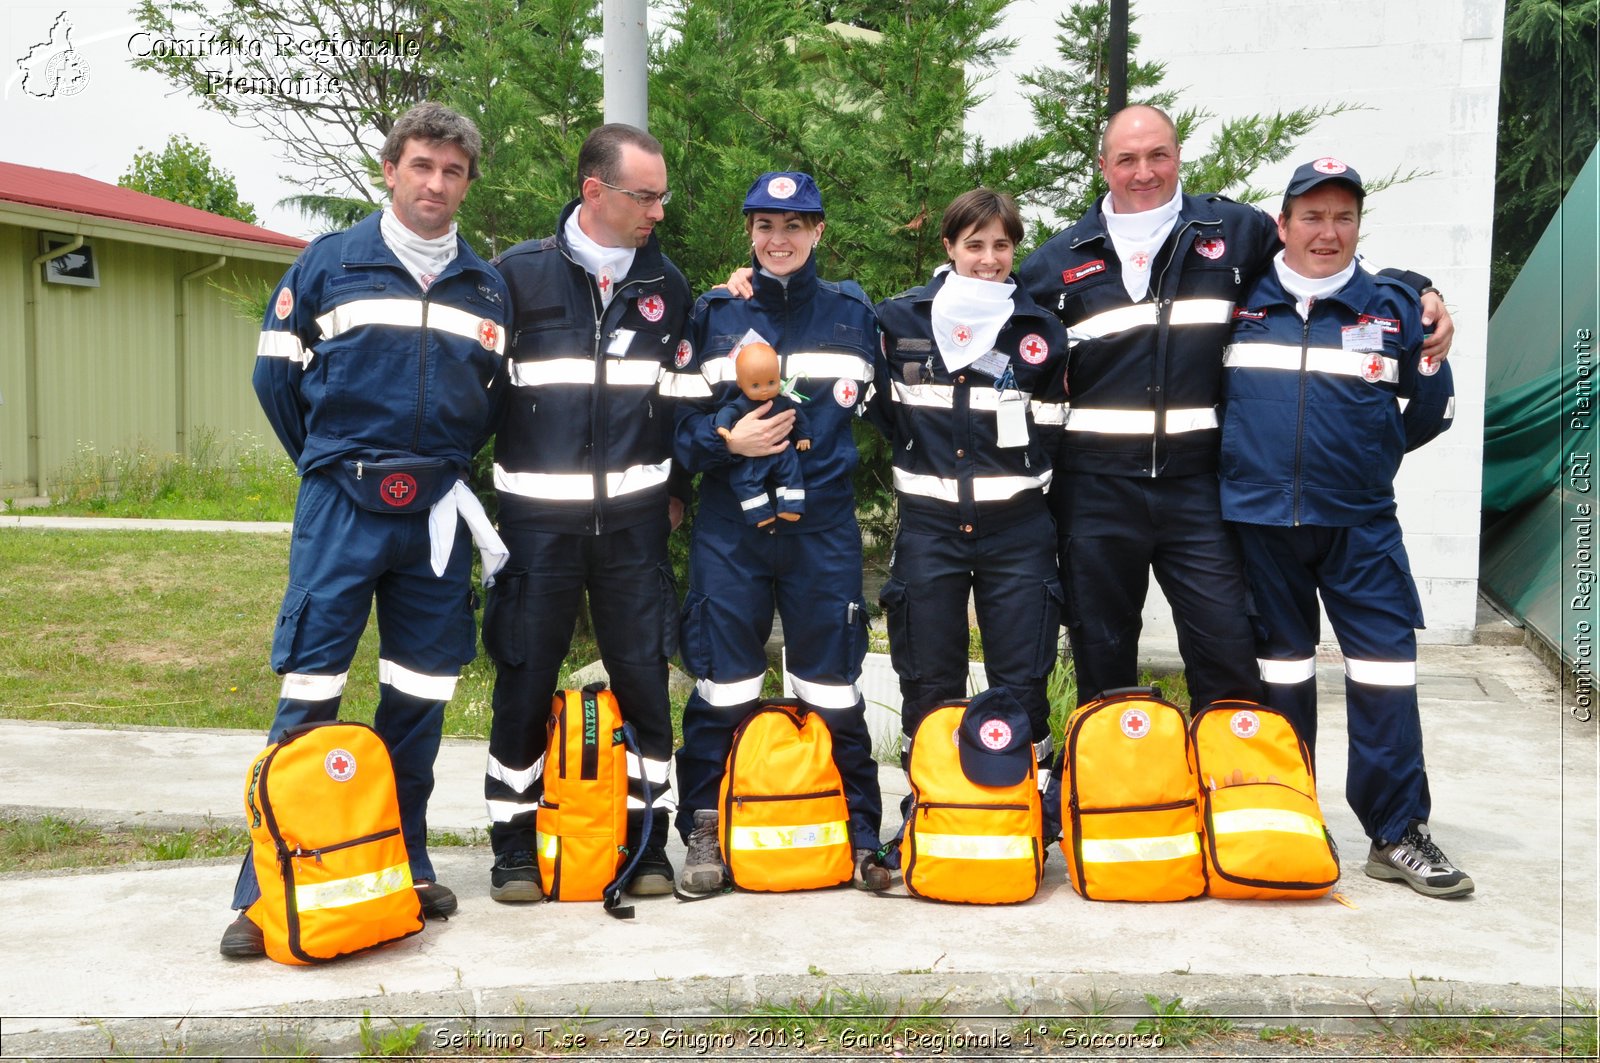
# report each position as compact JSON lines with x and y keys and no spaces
{"x":184,"y":173}
{"x":1547,"y":123}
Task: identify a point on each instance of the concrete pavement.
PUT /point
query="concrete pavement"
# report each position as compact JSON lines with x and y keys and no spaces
{"x":125,"y":960}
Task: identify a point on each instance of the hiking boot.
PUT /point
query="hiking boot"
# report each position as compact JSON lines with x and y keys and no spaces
{"x":870,"y":874}
{"x":243,"y":940}
{"x":514,"y":879}
{"x":437,"y":901}
{"x":652,"y":875}
{"x":703,"y":870}
{"x":1417,"y":862}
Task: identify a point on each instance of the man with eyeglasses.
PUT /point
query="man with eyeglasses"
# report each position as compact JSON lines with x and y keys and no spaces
{"x":582,"y":464}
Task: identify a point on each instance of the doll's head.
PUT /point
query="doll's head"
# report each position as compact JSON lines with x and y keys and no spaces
{"x":757,"y":369}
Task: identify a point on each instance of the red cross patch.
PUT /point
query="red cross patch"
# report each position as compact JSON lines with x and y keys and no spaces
{"x":1033,"y":348}
{"x":961,"y":334}
{"x":1135,"y":723}
{"x":1328,"y":164}
{"x":1372,"y":368}
{"x":845,"y":393}
{"x":995,"y":733}
{"x":653,"y":307}
{"x":285,"y":303}
{"x":488,"y":334}
{"x":1211,"y":247}
{"x":781,"y":187}
{"x":604,"y":282}
{"x":1429,"y":366}
{"x":685,"y":352}
{"x":340,"y":765}
{"x":1244,"y":723}
{"x":1140,"y":260}
{"x":398,"y":489}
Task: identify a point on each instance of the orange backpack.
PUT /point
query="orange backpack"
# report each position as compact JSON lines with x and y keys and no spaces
{"x":1130,"y":831}
{"x":326,"y":844}
{"x":1264,"y":832}
{"x":581,"y":825}
{"x":784,"y":822}
{"x":966,"y":841}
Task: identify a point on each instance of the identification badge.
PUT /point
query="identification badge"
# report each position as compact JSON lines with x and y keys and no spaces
{"x":1011,"y":420}
{"x":621,"y":340}
{"x":993,"y":363}
{"x":1366,"y":338}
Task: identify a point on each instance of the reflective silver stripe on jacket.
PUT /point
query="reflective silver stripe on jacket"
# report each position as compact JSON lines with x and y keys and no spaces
{"x":579,"y":487}
{"x":1329,"y":360}
{"x":1139,"y":422}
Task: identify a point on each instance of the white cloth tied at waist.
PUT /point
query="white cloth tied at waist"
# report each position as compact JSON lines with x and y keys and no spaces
{"x":460,"y":502}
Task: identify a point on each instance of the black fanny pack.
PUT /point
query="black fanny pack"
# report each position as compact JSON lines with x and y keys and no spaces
{"x":396,"y":485}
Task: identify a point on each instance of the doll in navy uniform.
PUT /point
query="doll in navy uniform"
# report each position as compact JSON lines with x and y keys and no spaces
{"x":760,"y":381}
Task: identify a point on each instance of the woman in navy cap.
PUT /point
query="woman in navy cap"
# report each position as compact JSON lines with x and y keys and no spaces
{"x":826,"y":335}
{"x":961,"y":359}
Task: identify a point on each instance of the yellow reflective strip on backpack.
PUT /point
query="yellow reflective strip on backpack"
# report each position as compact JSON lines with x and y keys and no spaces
{"x":801,"y":836}
{"x":547,"y":845}
{"x":1243,"y":820}
{"x":354,"y":890}
{"x":1134,"y":850}
{"x":973,"y":847}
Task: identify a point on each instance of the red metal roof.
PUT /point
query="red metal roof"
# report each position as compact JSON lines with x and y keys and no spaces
{"x":56,"y":190}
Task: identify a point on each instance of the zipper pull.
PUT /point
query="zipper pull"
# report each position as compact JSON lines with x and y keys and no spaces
{"x":358,"y":470}
{"x":1236,"y":278}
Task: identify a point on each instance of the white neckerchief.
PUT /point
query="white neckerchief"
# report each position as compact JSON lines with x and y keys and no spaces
{"x":607,"y":265}
{"x":1305,"y":289}
{"x":968,"y":315}
{"x":1137,"y":238}
{"x":423,"y":258}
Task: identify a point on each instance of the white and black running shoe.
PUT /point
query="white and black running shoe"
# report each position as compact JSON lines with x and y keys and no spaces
{"x":1417,"y":862}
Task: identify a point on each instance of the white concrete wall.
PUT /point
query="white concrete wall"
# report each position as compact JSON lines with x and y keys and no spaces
{"x":1429,"y":78}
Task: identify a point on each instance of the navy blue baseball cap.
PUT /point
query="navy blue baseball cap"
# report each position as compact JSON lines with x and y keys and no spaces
{"x":784,"y":191}
{"x":1327,"y":168}
{"x":995,"y":739}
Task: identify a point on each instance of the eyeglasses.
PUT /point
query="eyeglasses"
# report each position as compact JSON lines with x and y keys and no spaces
{"x":644,"y":199}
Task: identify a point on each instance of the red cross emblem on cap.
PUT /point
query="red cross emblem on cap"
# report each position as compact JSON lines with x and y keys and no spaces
{"x":397,"y":489}
{"x":1033,"y":349}
{"x":995,"y":734}
{"x":781,"y":187}
{"x":488,"y":334}
{"x":1372,"y":368}
{"x":1328,"y":164}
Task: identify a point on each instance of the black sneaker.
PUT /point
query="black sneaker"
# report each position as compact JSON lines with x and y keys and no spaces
{"x":652,"y":875}
{"x":870,"y":874}
{"x":243,"y":940}
{"x":1417,"y":862}
{"x":703,"y":870}
{"x":514,"y":879}
{"x":437,"y":901}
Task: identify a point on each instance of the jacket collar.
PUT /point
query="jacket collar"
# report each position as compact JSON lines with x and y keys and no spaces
{"x":363,"y":248}
{"x":1196,"y":210}
{"x":802,"y":286}
{"x":648,"y":263}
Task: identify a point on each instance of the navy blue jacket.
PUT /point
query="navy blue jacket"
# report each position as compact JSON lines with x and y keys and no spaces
{"x":585,"y":445}
{"x":950,"y":473}
{"x":356,"y":361}
{"x":1313,"y":432}
{"x":825,"y":334}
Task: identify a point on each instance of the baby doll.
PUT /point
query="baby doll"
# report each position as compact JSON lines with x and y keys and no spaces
{"x":757,"y":369}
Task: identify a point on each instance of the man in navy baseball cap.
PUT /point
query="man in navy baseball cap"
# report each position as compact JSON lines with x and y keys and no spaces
{"x":995,"y":739}
{"x":785,"y":191}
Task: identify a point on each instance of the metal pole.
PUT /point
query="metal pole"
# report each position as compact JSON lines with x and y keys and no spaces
{"x":1117,"y":57}
{"x":626,"y":57}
